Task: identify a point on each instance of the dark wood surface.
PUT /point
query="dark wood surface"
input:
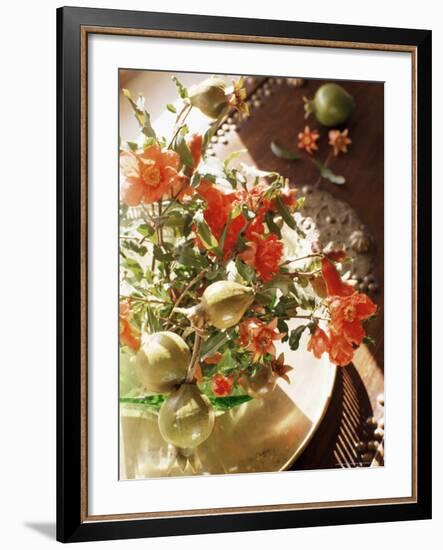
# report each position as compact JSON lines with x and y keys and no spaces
{"x":279,"y":115}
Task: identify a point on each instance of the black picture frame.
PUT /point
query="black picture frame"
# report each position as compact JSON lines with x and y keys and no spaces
{"x":72,"y":525}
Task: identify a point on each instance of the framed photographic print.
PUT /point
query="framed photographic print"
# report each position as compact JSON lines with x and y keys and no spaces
{"x":244,"y":274}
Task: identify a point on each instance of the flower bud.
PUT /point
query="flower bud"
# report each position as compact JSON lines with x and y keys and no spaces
{"x":162,"y":361}
{"x":210,"y":97}
{"x":186,"y":418}
{"x":225,"y":302}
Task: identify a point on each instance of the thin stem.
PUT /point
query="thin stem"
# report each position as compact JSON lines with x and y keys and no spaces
{"x":145,"y":300}
{"x":325,"y":164}
{"x":307,"y":257}
{"x":197,"y":278}
{"x":195,"y":358}
{"x":188,"y":109}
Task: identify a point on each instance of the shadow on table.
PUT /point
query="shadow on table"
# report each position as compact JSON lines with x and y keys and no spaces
{"x":46,"y":529}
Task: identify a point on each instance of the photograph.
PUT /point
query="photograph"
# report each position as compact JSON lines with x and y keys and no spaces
{"x":251,"y":274}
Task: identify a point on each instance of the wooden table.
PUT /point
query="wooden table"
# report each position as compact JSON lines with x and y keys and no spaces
{"x":277,"y":113}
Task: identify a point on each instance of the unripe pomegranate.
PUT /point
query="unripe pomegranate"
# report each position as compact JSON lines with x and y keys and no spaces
{"x":162,"y":361}
{"x":186,"y":418}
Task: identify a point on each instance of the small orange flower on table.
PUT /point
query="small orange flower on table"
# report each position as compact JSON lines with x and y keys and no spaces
{"x":339,"y":141}
{"x":307,"y":140}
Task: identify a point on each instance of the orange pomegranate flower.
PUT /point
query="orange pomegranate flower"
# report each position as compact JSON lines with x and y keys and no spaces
{"x":195,"y":146}
{"x":217,"y":212}
{"x":339,"y":141}
{"x":318,"y":343}
{"x":264,"y":255}
{"x":335,"y":286}
{"x":213,"y":359}
{"x":129,"y":334}
{"x":149,"y":174}
{"x":307,"y":139}
{"x":280,"y":369}
{"x":221,"y":385}
{"x":347,"y":314}
{"x":258,"y":337}
{"x":341,"y":351}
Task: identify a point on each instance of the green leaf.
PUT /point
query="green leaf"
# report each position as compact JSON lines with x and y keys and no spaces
{"x":368,"y":340}
{"x":134,"y":267}
{"x":295,"y":335}
{"x":209,"y":134}
{"x":282,"y":326}
{"x":162,"y":256}
{"x":226,"y":363}
{"x":232,"y":156}
{"x":283,"y":153}
{"x":272,"y":226}
{"x":145,"y":230}
{"x":181,"y":147}
{"x":205,"y":234}
{"x":182,"y":90}
{"x":226,"y":403}
{"x":171,"y":108}
{"x":213,"y":344}
{"x":284,"y":212}
{"x":132,"y":146}
{"x":150,"y":401}
{"x":328,"y":174}
{"x":244,"y":270}
{"x":141,"y":115}
{"x":187,"y":256}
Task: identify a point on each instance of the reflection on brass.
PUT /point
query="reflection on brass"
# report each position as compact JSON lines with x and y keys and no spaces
{"x":264,"y":435}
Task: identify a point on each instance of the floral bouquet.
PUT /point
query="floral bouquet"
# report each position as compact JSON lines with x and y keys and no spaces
{"x":214,"y":266}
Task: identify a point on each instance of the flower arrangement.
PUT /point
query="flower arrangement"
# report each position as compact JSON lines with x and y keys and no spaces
{"x":214,"y":266}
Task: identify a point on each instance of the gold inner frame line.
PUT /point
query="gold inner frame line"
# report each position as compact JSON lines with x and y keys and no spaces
{"x":84,"y":32}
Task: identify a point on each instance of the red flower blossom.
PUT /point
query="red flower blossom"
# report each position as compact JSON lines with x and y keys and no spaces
{"x":307,"y":139}
{"x":347,"y":314}
{"x":195,"y":146}
{"x":129,"y":334}
{"x":341,"y":351}
{"x":213,"y":359}
{"x":149,"y":174}
{"x":264,"y":255}
{"x":348,"y":309}
{"x":335,"y":286}
{"x":258,"y":337}
{"x":318,"y":343}
{"x":217,"y":213}
{"x":221,"y":385}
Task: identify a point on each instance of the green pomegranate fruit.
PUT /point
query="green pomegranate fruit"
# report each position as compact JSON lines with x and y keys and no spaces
{"x":210,"y":97}
{"x":225,"y":303}
{"x":332,"y":105}
{"x":162,"y":361}
{"x":186,"y":418}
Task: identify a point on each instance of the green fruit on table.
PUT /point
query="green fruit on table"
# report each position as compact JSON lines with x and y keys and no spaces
{"x":225,"y":303}
{"x":332,"y":105}
{"x":162,"y":361}
{"x":210,"y":97}
{"x":186,"y":418}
